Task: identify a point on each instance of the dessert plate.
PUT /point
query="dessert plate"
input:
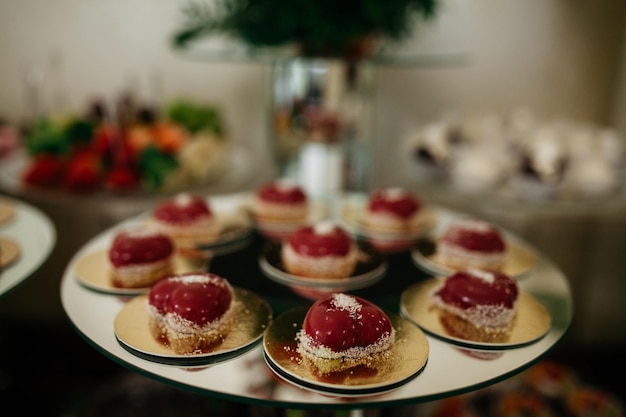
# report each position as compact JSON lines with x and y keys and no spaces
{"x":370,"y":269}
{"x":93,"y":272}
{"x":533,"y":319}
{"x":132,"y":331}
{"x":519,"y":259}
{"x":408,"y":358}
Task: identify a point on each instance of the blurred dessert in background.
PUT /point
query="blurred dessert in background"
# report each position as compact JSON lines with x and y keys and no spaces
{"x":187,"y":219}
{"x":279,"y":207}
{"x":392,"y":210}
{"x":139,"y":257}
{"x":280,"y":201}
{"x":518,"y":156}
{"x":471,"y":243}
{"x":321,"y":250}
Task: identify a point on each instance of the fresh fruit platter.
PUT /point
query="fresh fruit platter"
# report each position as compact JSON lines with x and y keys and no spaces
{"x":126,"y":147}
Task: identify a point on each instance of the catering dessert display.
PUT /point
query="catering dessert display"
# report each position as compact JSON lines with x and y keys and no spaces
{"x":518,"y":155}
{"x":191,"y":312}
{"x":186,"y":218}
{"x":477,"y":305}
{"x":471,"y":243}
{"x":342,"y":331}
{"x":321,"y":250}
{"x":339,"y":345}
{"x":139,"y":257}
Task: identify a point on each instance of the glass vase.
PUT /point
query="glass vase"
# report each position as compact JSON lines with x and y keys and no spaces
{"x":321,"y":126}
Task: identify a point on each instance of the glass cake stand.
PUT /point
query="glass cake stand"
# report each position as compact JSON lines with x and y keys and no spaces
{"x":248,"y":378}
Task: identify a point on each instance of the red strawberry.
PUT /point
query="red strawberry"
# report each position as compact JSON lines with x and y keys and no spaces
{"x":44,"y":171}
{"x":122,"y":178}
{"x":83,"y":172}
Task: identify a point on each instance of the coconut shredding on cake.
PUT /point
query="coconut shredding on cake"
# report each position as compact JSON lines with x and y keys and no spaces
{"x":192,"y":312}
{"x":477,"y":305}
{"x":139,"y":257}
{"x":341,"y":331}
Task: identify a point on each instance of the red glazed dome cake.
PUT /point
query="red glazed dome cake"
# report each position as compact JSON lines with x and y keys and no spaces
{"x":477,"y":305}
{"x":191,"y":312}
{"x":471,"y":243}
{"x":139,"y":257}
{"x":341,"y":331}
{"x":280,"y":201}
{"x":186,"y":218}
{"x":392,"y":209}
{"x":322,"y":250}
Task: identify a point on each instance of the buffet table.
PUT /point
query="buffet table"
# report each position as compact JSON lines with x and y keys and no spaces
{"x":247,"y":378}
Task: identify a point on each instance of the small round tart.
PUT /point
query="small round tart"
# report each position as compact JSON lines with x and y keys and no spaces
{"x":471,"y":243}
{"x":139,"y":257}
{"x":280,"y":201}
{"x":341,"y":331}
{"x":190,"y":312}
{"x":392,"y":209}
{"x":477,"y":305}
{"x":322,"y":250}
{"x":187,"y":218}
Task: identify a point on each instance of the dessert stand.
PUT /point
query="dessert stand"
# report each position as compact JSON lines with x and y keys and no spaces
{"x":247,"y":378}
{"x":31,"y":236}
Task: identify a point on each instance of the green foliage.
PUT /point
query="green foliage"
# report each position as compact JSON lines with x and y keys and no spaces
{"x":320,"y":27}
{"x":48,"y":136}
{"x":58,"y":137}
{"x":196,"y":117}
{"x":155,"y":165}
{"x":80,"y":131}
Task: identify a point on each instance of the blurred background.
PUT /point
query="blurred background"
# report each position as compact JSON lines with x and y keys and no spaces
{"x":483,"y":60}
